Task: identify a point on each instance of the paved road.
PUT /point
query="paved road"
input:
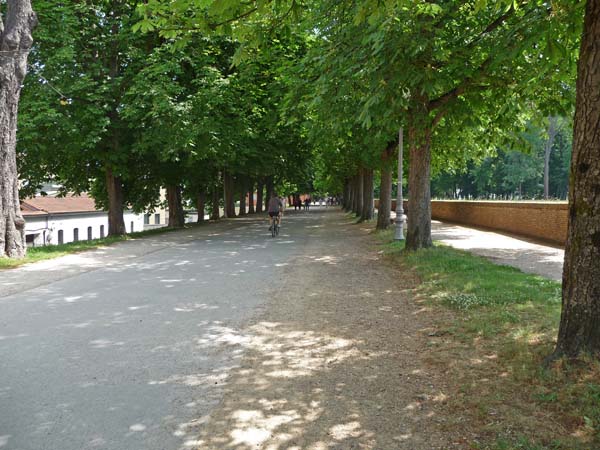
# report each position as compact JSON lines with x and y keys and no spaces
{"x":116,"y":349}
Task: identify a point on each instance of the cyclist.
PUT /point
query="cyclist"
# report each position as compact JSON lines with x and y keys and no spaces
{"x":275,"y":206}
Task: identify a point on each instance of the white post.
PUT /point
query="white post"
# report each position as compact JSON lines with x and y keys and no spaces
{"x":399,"y":236}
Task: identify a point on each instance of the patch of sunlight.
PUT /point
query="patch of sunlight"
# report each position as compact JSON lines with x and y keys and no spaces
{"x":440,"y":398}
{"x":345,"y":431}
{"x":412,"y":406}
{"x":403,"y":437}
{"x":200,"y":379}
{"x":328,"y":259}
{"x":253,"y":428}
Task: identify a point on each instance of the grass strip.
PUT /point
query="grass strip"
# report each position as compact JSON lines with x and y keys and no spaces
{"x":495,"y":326}
{"x":35,"y":254}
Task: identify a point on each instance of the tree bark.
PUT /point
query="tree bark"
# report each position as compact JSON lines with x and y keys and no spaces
{"x":243,"y":194}
{"x":419,"y":190}
{"x":114,"y":187}
{"x":579,"y":330}
{"x":15,"y":43}
{"x":346,"y":199}
{"x":385,"y":190}
{"x":201,"y":205}
{"x":269,"y":190}
{"x":228,"y":191}
{"x":552,"y":130}
{"x":251,"y":199}
{"x":176,"y":214}
{"x":215,"y":212}
{"x":352,"y":192}
{"x":367,"y":207}
{"x":259,"y":196}
{"x":360,"y":188}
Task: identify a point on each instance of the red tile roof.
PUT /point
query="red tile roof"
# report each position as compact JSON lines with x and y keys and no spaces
{"x":57,"y":205}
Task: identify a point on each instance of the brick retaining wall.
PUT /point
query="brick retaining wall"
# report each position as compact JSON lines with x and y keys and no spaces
{"x":539,"y":220}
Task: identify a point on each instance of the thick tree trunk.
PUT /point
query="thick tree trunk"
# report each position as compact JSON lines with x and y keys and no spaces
{"x":215,"y":212}
{"x":269,"y":190}
{"x":352,"y":193}
{"x":201,"y":205}
{"x":251,"y":199}
{"x":385,"y":190}
{"x":579,"y":330}
{"x":259,"y":196}
{"x":367,"y":207}
{"x":419,"y":190}
{"x":114,"y":188}
{"x":243,"y":194}
{"x":346,"y":199}
{"x":175,"y":205}
{"x":552,"y":130}
{"x":15,"y":44}
{"x":354,"y":207}
{"x":360,"y":189}
{"x":228,"y":191}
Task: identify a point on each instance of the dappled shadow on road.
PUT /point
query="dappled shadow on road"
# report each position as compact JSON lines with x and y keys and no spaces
{"x":332,"y":364}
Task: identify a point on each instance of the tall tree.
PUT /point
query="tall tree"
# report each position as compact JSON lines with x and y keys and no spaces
{"x":579,"y":330}
{"x":15,"y":42}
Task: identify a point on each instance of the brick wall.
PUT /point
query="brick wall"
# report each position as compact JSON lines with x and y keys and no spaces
{"x":539,"y":220}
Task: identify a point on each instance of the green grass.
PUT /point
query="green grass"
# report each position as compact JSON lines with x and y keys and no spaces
{"x":500,"y":312}
{"x":35,"y":254}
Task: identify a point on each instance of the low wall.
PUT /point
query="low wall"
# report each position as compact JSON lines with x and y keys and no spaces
{"x":538,"y":220}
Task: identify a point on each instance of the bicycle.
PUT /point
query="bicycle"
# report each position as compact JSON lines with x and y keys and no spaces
{"x":275,"y":226}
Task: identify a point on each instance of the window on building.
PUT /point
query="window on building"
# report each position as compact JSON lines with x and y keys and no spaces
{"x":131,"y":227}
{"x":89,"y":233}
{"x":156,"y":219}
{"x":101,"y":231}
{"x":61,"y":237}
{"x":146,"y":219}
{"x":30,"y":239}
{"x":75,"y":234}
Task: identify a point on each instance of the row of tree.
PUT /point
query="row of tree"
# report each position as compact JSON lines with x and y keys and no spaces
{"x":461,"y":78}
{"x":120,"y":113}
{"x":154,"y":99}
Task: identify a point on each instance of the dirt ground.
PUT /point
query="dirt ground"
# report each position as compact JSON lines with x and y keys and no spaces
{"x":337,"y":359}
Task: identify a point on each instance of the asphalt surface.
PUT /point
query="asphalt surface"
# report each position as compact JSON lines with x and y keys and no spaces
{"x":117,"y":348}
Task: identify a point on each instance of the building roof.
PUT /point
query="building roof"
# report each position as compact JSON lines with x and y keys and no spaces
{"x":58,"y":205}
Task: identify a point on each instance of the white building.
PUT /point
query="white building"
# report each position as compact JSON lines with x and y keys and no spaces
{"x":58,"y":220}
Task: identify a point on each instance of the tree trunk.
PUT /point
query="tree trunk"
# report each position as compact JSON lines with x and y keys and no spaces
{"x":259,"y":196}
{"x":552,"y":130}
{"x":367,"y":207}
{"x":360,"y":190}
{"x":176,"y":214}
{"x":228,"y":191}
{"x":114,"y":188}
{"x":243,"y":194}
{"x":15,"y":43}
{"x":419,"y":190}
{"x":346,"y":199}
{"x":579,"y":330}
{"x":352,"y":193}
{"x":385,"y":190}
{"x":201,"y":205}
{"x":269,"y":190}
{"x":251,"y":199}
{"x":215,"y":212}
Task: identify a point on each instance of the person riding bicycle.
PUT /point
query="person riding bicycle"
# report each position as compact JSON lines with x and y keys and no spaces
{"x":275,"y":206}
